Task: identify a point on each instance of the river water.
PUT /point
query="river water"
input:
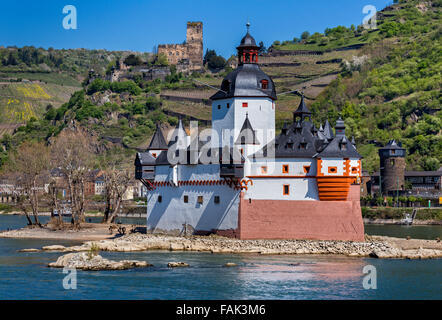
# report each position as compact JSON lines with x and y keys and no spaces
{"x":26,"y":275}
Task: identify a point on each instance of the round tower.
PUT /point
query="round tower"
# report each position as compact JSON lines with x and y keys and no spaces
{"x":392,"y":168}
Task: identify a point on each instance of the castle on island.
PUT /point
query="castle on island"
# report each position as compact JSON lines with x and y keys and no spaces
{"x":241,"y":180}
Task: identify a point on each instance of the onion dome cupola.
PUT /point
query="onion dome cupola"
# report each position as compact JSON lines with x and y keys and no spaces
{"x":248,"y":80}
{"x":247,"y":50}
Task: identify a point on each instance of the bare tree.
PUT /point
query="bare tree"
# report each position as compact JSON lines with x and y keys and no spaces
{"x":72,"y":153}
{"x":28,"y":167}
{"x":54,"y":201}
{"x":117,"y":179}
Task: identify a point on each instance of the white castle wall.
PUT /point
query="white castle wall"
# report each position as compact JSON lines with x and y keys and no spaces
{"x":274,"y":167}
{"x":172,"y":212}
{"x":267,"y":188}
{"x":261,"y":112}
{"x":355,"y":163}
{"x":339,"y":163}
{"x":272,"y":189}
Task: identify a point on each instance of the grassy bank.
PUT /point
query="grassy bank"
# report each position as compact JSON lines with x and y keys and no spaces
{"x":398,"y":213}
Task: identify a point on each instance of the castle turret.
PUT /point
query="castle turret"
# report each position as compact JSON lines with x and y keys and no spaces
{"x":339,"y":165}
{"x":302,"y":112}
{"x":392,"y":167}
{"x":158,"y":143}
{"x":246,"y":90}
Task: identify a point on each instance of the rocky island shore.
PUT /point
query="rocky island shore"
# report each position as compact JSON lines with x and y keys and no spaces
{"x":94,"y":262}
{"x":374,"y":246}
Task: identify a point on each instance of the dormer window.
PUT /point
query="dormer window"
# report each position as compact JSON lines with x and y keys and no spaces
{"x":264,"y":84}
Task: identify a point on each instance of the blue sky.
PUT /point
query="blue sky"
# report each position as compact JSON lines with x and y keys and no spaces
{"x":140,"y":24}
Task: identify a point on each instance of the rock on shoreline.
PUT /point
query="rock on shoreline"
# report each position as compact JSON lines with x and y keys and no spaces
{"x":86,"y":261}
{"x":177,"y":265}
{"x":380,"y":247}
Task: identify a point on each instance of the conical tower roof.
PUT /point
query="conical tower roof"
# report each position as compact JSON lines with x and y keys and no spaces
{"x":158,"y":141}
{"x":302,"y":108}
{"x":179,"y":135}
{"x":328,"y":131}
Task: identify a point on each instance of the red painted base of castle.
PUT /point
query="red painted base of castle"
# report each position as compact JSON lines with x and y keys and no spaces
{"x":312,"y":220}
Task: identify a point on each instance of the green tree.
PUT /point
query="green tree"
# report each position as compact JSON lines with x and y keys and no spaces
{"x":305,"y":35}
{"x":133,"y":60}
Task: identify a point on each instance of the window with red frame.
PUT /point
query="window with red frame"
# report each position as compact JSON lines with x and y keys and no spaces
{"x":264,"y":84}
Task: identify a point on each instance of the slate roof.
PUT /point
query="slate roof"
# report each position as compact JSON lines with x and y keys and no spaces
{"x":302,"y":108}
{"x":339,"y":147}
{"x":245,"y":81}
{"x":234,"y":156}
{"x":145,"y":158}
{"x":296,"y":141}
{"x":392,"y":144}
{"x":328,"y":131}
{"x":248,"y":41}
{"x":158,"y":141}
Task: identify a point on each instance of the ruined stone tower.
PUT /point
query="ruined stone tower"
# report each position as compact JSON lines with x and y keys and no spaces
{"x":392,"y":161}
{"x":191,"y":52}
{"x":194,"y":42}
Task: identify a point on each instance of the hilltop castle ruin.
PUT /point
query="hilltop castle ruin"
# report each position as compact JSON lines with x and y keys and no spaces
{"x":190,"y":52}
